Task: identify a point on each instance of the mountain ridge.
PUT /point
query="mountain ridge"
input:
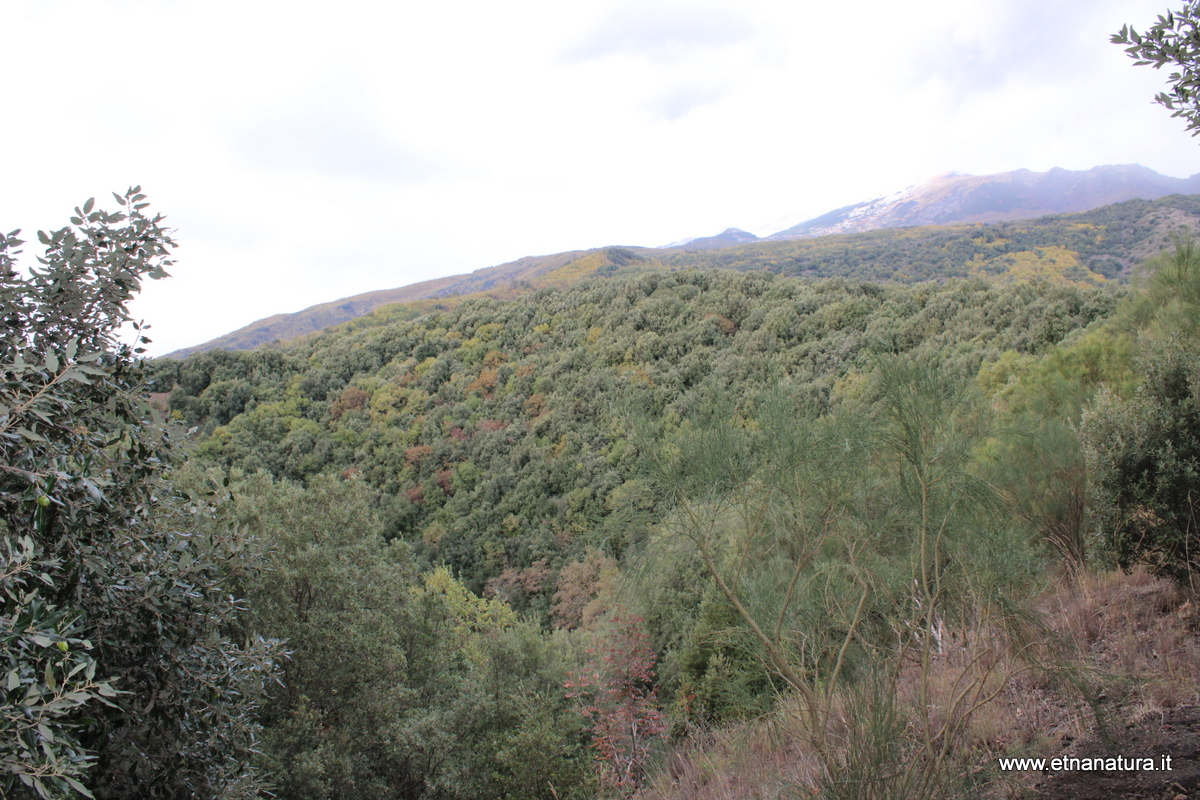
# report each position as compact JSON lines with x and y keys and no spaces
{"x":952,"y":198}
{"x":948,"y":199}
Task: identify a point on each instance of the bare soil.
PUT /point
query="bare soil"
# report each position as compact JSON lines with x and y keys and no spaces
{"x":1173,"y":733}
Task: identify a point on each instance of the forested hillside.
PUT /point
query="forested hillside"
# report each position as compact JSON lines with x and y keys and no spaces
{"x":1088,"y":247}
{"x":892,"y":516}
{"x":506,"y":437}
{"x":533,"y":475}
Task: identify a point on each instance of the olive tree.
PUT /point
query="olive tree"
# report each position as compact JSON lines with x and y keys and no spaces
{"x":122,"y":670}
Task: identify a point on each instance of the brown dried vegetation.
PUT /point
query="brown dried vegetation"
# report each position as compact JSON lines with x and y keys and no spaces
{"x":1133,"y":652}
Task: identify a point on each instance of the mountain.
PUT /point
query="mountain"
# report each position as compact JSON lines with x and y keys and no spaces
{"x":1099,"y":244}
{"x":1020,"y":194}
{"x":501,"y":433}
{"x":726,"y":238}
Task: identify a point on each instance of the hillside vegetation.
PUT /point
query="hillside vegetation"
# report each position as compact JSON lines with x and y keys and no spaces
{"x":1086,"y":248}
{"x":647,"y":533}
{"x":639,"y":510}
{"x":502,"y":435}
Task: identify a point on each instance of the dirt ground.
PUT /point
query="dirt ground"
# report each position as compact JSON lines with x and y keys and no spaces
{"x":1174,"y":733}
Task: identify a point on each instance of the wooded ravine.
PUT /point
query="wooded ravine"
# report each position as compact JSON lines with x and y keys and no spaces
{"x":851,"y":517}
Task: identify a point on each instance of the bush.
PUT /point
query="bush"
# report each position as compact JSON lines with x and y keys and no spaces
{"x":1143,"y":458}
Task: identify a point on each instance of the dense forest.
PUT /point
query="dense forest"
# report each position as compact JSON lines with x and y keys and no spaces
{"x":848,"y":518}
{"x":504,"y":435}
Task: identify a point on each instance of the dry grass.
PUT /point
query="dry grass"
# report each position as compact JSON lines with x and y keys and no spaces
{"x":762,"y":760}
{"x":1138,"y":631}
{"x":1131,"y":644}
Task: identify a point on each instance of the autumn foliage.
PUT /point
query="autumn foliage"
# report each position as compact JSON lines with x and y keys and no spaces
{"x":620,"y":700}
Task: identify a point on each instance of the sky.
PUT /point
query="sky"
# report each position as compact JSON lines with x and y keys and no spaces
{"x":303,"y":152}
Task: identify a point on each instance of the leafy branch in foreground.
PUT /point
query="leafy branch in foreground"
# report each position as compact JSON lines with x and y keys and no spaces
{"x":1173,"y":39}
{"x":121,"y":677}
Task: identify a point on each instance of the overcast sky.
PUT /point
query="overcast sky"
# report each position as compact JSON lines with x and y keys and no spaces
{"x":309,"y":151}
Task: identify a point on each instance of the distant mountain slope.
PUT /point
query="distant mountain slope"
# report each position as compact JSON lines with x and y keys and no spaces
{"x":1020,"y":194}
{"x":501,"y":282}
{"x":726,"y":238}
{"x":1083,"y":248}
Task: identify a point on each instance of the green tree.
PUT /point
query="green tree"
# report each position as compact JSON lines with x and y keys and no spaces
{"x":1174,"y":39}
{"x":1143,"y":457}
{"x":1143,"y":451}
{"x":400,"y":685}
{"x":848,"y":545}
{"x":122,"y":676}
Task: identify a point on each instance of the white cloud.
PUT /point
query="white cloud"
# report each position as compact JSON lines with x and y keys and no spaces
{"x":662,"y":31}
{"x":336,"y":141}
